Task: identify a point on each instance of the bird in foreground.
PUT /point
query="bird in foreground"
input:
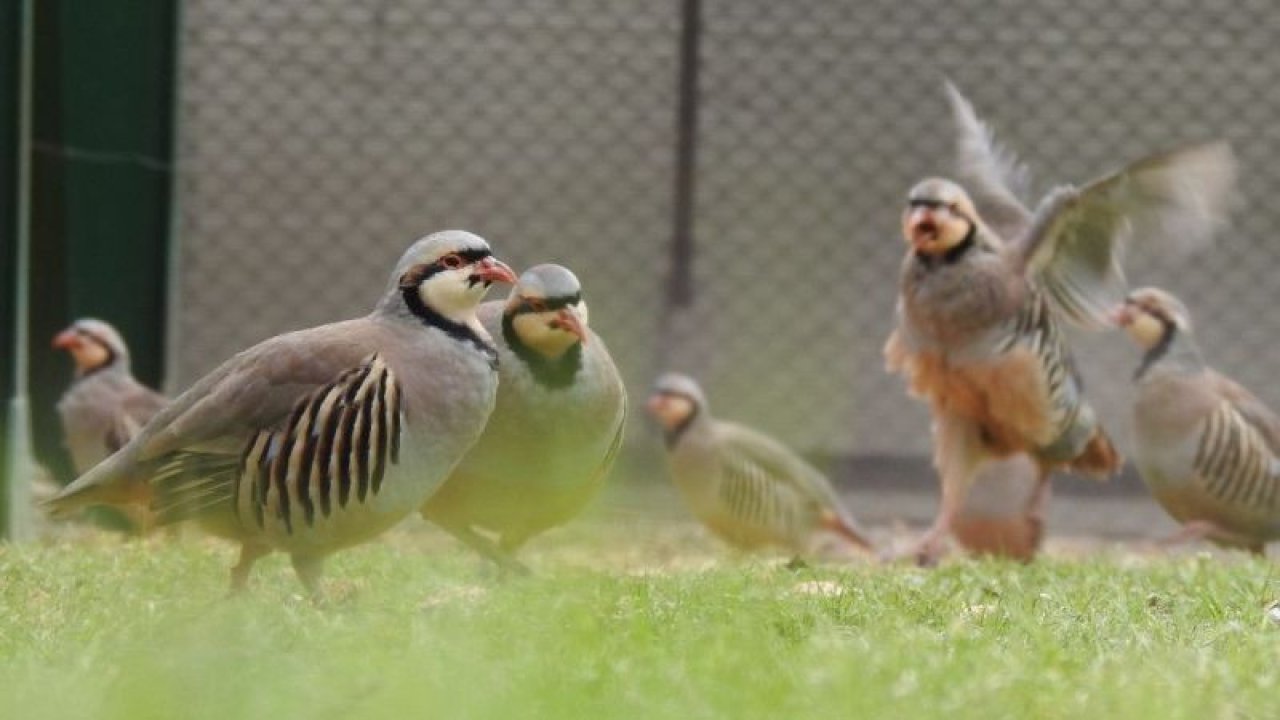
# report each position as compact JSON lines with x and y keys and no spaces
{"x":749,"y":489}
{"x":1206,"y":447}
{"x":319,"y":439}
{"x":554,"y":430}
{"x":105,"y":405}
{"x":986,"y":280}
{"x":1002,"y":515}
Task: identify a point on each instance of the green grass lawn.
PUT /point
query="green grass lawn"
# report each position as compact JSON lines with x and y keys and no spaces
{"x":618,"y":623}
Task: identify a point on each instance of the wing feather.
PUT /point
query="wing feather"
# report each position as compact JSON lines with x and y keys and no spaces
{"x":1074,"y":246}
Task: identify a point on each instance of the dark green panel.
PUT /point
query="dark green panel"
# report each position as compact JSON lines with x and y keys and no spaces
{"x":103,"y":114}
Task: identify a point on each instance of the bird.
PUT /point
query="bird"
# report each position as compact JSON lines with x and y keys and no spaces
{"x":747,"y":488}
{"x":986,"y":282}
{"x":554,"y":431}
{"x":997,"y":519}
{"x":322,"y":438}
{"x":1207,"y":448}
{"x":105,"y":405}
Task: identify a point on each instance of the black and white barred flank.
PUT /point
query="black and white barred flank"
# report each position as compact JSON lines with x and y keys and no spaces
{"x":334,"y":450}
{"x":1235,"y":463}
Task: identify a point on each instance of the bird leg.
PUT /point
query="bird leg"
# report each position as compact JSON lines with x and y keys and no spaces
{"x":505,"y":561}
{"x":1038,"y":503}
{"x":308,"y":569}
{"x":249,"y":554}
{"x":957,"y":455}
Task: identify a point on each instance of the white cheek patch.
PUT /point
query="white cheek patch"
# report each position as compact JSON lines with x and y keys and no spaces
{"x":535,"y":331}
{"x":451,"y":294}
{"x":584,"y":314}
{"x":675,"y":410}
{"x":1146,"y":330}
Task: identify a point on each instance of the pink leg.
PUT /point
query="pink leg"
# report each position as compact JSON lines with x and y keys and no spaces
{"x":957,"y":455}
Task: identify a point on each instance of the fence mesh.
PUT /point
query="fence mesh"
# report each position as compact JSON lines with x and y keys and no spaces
{"x":320,"y":137}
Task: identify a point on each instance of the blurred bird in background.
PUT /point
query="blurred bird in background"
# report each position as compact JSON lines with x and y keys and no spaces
{"x":554,"y":431}
{"x":1206,"y":447}
{"x":986,"y":280}
{"x":105,"y":406}
{"x":747,"y":488}
{"x":323,"y":438}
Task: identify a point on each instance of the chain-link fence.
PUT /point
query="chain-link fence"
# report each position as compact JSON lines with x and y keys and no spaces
{"x":320,"y":137}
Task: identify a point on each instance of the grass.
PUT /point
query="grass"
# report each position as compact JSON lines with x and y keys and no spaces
{"x":629,"y":620}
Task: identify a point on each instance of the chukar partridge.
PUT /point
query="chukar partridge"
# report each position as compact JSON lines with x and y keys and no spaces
{"x":747,"y":488}
{"x":105,"y":405}
{"x":319,"y":439}
{"x":555,"y":428}
{"x":1206,"y":447}
{"x":985,"y":282}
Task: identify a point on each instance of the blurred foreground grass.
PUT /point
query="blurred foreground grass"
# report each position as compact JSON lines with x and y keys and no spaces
{"x":626,"y":619}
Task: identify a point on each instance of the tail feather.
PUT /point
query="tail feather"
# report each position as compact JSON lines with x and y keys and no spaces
{"x":104,"y":484}
{"x":1100,"y":459}
{"x":847,"y":529}
{"x":190,"y":484}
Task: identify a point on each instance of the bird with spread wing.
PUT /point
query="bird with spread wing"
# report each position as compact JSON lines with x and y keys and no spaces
{"x":986,"y":281}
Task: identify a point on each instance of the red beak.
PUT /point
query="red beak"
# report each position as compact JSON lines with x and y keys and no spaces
{"x":568,"y":320}
{"x":494,"y":270}
{"x":921,"y":226}
{"x":654,"y":404}
{"x":1120,"y":316}
{"x":66,"y":340}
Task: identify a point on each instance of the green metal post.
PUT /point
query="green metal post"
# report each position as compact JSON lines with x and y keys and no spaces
{"x":20,"y":468}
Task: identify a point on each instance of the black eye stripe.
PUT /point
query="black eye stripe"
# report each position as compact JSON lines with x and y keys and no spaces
{"x":926,"y":203}
{"x":418,"y":274}
{"x":548,"y":304}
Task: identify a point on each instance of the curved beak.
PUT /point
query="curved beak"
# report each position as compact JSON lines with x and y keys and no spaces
{"x":920,"y":226}
{"x":567,"y":319}
{"x":1121,"y":315}
{"x":65,"y":340}
{"x":493,"y":270}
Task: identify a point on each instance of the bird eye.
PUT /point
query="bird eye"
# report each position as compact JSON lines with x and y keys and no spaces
{"x":954,"y":208}
{"x":452,"y":261}
{"x":537,"y":305}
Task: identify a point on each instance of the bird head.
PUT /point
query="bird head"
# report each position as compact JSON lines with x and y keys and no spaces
{"x":675,"y":400}
{"x":448,"y":273}
{"x":93,"y":345}
{"x":546,"y":310}
{"x":1149,"y":315}
{"x":938,"y":217}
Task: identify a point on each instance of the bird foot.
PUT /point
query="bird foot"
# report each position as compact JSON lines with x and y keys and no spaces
{"x":925,"y":553}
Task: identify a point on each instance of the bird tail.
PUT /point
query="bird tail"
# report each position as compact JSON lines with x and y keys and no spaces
{"x":847,"y":529}
{"x":1100,"y":459}
{"x":103,"y":484}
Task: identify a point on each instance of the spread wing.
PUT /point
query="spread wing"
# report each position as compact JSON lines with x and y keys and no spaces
{"x":996,"y":181}
{"x":1076,"y":242}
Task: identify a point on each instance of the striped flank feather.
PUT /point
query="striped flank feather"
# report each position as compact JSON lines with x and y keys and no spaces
{"x":1235,"y":462}
{"x":334,"y":450}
